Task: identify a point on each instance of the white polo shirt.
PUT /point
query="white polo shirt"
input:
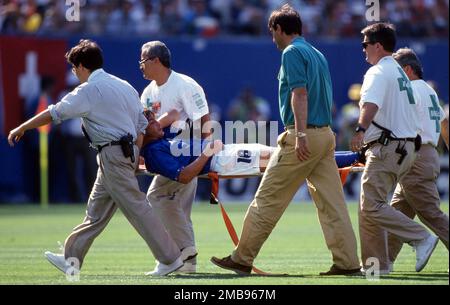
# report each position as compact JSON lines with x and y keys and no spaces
{"x":179,"y":92}
{"x":386,"y":85}
{"x":431,"y":113}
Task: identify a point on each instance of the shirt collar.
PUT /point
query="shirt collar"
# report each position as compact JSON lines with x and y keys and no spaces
{"x":95,"y":74}
{"x":387,"y":57}
{"x":299,"y":38}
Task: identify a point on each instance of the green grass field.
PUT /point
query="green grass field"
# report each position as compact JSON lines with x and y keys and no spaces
{"x":119,"y":256}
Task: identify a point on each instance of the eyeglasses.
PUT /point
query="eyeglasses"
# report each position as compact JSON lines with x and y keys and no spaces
{"x":141,"y":62}
{"x":366,"y":43}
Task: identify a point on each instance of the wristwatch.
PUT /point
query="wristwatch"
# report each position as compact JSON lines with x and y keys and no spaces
{"x":360,"y":128}
{"x":300,"y":134}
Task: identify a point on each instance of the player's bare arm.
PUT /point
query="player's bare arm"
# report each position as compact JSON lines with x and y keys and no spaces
{"x":206,"y":128}
{"x":38,"y":120}
{"x":193,"y":170}
{"x":169,"y":118}
{"x":368,"y":112}
{"x":299,"y":104}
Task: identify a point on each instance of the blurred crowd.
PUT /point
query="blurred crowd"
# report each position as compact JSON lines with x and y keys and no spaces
{"x":210,"y":18}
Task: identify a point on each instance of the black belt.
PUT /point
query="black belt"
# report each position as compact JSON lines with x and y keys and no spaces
{"x":311,"y":126}
{"x":391,"y":139}
{"x":112,"y":143}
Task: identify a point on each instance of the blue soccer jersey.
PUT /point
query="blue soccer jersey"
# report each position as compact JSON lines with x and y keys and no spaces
{"x":168,"y":158}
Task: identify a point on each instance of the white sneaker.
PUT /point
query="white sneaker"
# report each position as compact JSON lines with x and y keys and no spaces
{"x":57,"y":260}
{"x":187,"y":268}
{"x":163,"y":269}
{"x":424,"y":248}
{"x":188,"y":253}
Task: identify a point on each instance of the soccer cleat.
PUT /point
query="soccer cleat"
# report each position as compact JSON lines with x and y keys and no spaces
{"x":424,"y":248}
{"x":163,"y":269}
{"x":57,"y":260}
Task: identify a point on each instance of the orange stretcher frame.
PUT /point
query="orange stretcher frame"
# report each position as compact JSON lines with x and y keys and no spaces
{"x":214,"y":199}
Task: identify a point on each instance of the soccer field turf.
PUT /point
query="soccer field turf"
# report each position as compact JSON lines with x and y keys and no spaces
{"x":119,"y":256}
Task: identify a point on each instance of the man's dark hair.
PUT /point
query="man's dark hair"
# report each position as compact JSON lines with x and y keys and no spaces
{"x":158,"y":49}
{"x":383,"y":33}
{"x":87,"y":53}
{"x":407,"y":57}
{"x":287,"y":18}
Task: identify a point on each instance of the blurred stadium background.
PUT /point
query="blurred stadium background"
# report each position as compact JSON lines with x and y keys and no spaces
{"x":223,"y":44}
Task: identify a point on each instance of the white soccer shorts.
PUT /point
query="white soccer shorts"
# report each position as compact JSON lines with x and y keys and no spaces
{"x":238,"y":159}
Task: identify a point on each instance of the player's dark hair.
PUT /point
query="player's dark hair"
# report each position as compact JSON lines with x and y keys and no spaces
{"x":383,"y":33}
{"x":87,"y":53}
{"x":407,"y":57}
{"x":287,"y":18}
{"x":158,"y":49}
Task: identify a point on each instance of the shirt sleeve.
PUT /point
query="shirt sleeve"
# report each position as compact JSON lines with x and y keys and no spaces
{"x":142,"y":120}
{"x":194,"y":102}
{"x":75,"y":104}
{"x":145,"y":98}
{"x":165,"y":164}
{"x":373,"y":88}
{"x":294,"y":67}
{"x":441,"y":111}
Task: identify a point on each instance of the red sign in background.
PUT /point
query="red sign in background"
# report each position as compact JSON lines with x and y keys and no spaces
{"x":13,"y":52}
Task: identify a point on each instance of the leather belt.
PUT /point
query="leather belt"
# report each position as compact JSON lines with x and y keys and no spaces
{"x":391,"y":139}
{"x":309,"y":126}
{"x":312,"y":126}
{"x":112,"y":143}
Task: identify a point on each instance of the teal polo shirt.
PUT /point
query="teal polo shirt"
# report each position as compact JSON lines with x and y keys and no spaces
{"x":303,"y":66}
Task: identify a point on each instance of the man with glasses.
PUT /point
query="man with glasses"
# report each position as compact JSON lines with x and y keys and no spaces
{"x":171,"y":90}
{"x":417,"y":192}
{"x":109,"y":109}
{"x":388,"y":127}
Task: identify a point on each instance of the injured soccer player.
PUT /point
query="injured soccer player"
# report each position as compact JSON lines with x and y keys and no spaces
{"x":176,"y":159}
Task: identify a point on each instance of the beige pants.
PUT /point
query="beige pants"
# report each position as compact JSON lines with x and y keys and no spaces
{"x":376,"y":216}
{"x":417,"y":194}
{"x":282,"y":178}
{"x":116,"y":186}
{"x":173,"y":203}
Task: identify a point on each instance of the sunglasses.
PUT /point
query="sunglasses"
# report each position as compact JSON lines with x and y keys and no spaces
{"x":366,"y":44}
{"x":141,"y":62}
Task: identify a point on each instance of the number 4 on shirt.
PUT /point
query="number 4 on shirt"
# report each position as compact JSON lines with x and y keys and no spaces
{"x":405,"y":84}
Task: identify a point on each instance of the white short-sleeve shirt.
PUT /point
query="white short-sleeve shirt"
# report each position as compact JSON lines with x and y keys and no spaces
{"x":179,"y":92}
{"x":386,"y":85}
{"x":431,"y":113}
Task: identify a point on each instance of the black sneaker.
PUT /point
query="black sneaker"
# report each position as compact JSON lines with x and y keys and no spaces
{"x":338,"y":271}
{"x":229,"y":264}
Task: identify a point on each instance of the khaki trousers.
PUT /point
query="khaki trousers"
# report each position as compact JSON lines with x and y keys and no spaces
{"x":173,"y":203}
{"x":417,"y":194}
{"x":376,"y":216}
{"x":116,"y":186}
{"x":282,"y":178}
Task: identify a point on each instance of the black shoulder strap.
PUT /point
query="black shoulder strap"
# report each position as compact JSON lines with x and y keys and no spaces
{"x":380,"y":127}
{"x":85,"y":133}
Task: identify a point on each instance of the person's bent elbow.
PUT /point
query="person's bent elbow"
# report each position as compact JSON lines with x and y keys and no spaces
{"x":184,"y":179}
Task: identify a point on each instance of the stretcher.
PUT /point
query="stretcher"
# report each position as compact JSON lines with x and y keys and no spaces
{"x":354,"y":167}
